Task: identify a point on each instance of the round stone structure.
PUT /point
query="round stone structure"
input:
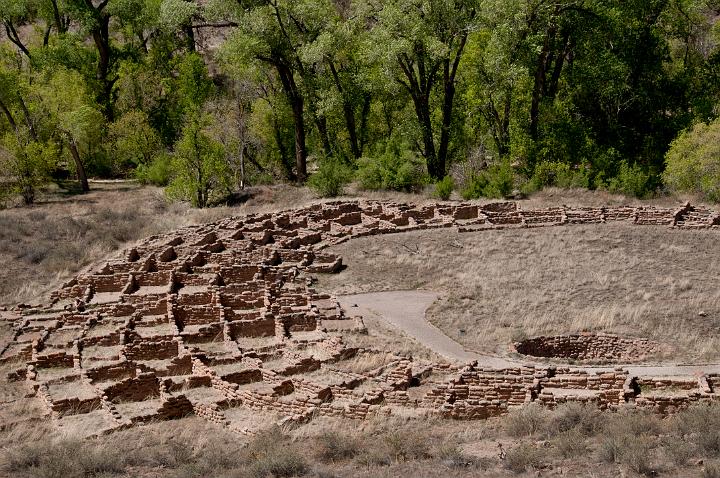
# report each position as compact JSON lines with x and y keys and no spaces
{"x":588,"y":346}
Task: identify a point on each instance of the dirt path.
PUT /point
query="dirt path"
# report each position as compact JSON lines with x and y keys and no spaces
{"x":405,"y":310}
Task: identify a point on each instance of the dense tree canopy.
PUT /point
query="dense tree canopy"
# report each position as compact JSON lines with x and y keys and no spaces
{"x":212,"y":96}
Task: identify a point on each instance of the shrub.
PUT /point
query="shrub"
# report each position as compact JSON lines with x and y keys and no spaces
{"x":497,"y":181}
{"x":158,"y":172}
{"x":692,"y":164}
{"x":332,"y":446}
{"x":25,"y":165}
{"x":630,"y":180}
{"x":575,"y":416}
{"x":522,"y":456}
{"x":272,"y":455}
{"x":331,"y":178}
{"x":279,"y":464}
{"x":397,"y":168}
{"x":635,"y":452}
{"x":133,"y":142}
{"x":63,"y":459}
{"x":452,"y":456}
{"x":711,"y":470}
{"x":403,"y":446}
{"x":571,"y":443}
{"x":558,"y":174}
{"x":679,"y":451}
{"x":526,"y":421}
{"x":444,"y":188}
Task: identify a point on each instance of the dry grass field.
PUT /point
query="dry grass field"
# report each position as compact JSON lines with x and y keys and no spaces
{"x":572,"y":440}
{"x":501,"y":286}
{"x":495,"y":286}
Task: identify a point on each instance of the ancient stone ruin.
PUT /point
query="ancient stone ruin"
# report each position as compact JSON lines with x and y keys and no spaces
{"x":596,"y":347}
{"x":222,"y":321}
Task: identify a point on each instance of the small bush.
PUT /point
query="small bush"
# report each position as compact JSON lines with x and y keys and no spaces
{"x":633,"y":451}
{"x":558,"y":174}
{"x":630,"y":180}
{"x":692,"y":163}
{"x":271,"y":454}
{"x":497,"y":181}
{"x":403,"y":446}
{"x":526,"y":421}
{"x":444,"y":188}
{"x":373,"y":457}
{"x":331,"y":178}
{"x":397,"y":168}
{"x":575,"y":416}
{"x":679,"y":451}
{"x":521,"y":457}
{"x":158,"y":172}
{"x":571,"y":444}
{"x":452,"y":456}
{"x":282,"y":463}
{"x":63,"y":459}
{"x":333,"y":447}
{"x":711,"y":470}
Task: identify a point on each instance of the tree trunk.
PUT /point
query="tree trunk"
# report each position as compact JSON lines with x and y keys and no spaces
{"x":82,"y":177}
{"x":101,"y":36}
{"x":60,"y":25}
{"x":242,"y":167}
{"x":348,"y":113}
{"x":321,"y":123}
{"x":300,"y":148}
{"x":364,"y":114}
{"x":28,"y":119}
{"x":428,"y":140}
{"x":190,"y":37}
{"x":297,"y":104}
{"x":8,"y":115}
{"x":15,"y":38}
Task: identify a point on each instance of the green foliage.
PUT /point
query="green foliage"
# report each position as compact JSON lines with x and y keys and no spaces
{"x":157,"y":172}
{"x":693,"y":162}
{"x":330,"y":178}
{"x":193,"y":83}
{"x":24,"y":166}
{"x":444,"y":188}
{"x":497,"y":181}
{"x":396,"y":168}
{"x":631,"y":181}
{"x":200,"y":173}
{"x":561,"y":175}
{"x":132,"y":141}
{"x":590,"y":96}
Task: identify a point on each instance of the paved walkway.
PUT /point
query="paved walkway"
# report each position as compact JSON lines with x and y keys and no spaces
{"x":405,"y":309}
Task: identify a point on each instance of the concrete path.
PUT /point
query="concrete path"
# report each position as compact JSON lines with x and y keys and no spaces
{"x":405,"y":309}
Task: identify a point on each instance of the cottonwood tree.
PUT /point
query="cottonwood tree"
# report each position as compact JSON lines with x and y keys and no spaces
{"x":274,"y":32}
{"x":343,"y":80}
{"x":199,"y":165}
{"x":75,"y":116}
{"x":231,"y":126}
{"x":420,"y":44}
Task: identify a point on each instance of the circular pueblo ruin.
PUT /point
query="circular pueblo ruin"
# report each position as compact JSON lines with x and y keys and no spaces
{"x":222,"y":321}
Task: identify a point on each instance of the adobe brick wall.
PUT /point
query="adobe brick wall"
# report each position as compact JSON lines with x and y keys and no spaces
{"x":238,"y":324}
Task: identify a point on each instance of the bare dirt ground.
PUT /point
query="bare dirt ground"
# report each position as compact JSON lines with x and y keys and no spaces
{"x":499,"y":286}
